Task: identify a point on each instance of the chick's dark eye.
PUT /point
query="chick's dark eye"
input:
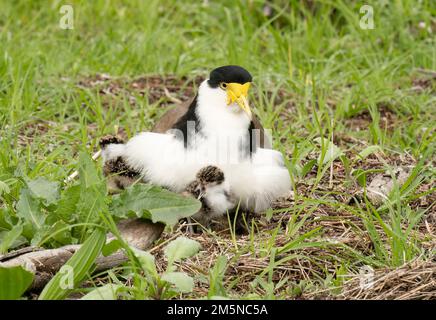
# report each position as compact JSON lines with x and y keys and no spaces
{"x":223,"y":85}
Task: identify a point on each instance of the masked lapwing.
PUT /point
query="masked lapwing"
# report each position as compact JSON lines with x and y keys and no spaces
{"x":218,"y":129}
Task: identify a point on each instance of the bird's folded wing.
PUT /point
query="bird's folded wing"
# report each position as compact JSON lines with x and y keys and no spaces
{"x":162,"y":160}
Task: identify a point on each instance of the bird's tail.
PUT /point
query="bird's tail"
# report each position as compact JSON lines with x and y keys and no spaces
{"x":112,"y":147}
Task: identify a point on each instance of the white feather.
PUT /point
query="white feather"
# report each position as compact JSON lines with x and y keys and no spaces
{"x":113,"y":151}
{"x":219,"y":199}
{"x":216,"y":117}
{"x":163,"y":159}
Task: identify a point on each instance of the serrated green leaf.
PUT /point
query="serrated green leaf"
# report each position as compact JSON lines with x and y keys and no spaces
{"x":4,"y":188}
{"x":111,"y":247}
{"x":155,"y":203}
{"x":92,"y":202}
{"x":41,"y":188}
{"x":28,"y":208}
{"x":146,"y":260}
{"x":93,"y":191}
{"x":5,"y":219}
{"x":106,"y":292}
{"x":9,"y":237}
{"x":181,"y":281}
{"x":77,"y":267}
{"x":88,"y":174}
{"x":67,"y":205}
{"x":180,"y":248}
{"x":39,"y":234}
{"x":14,"y":282}
{"x":61,"y":232}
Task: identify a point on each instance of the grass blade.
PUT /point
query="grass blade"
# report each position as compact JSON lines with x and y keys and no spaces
{"x":76,"y":268}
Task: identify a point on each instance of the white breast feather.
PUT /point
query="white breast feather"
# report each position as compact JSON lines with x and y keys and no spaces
{"x":163,"y":159}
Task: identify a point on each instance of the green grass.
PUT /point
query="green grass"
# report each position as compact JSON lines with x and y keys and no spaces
{"x":316,"y":74}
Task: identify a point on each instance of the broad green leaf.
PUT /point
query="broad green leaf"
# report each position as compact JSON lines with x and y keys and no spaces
{"x":93,"y":192}
{"x":4,"y":188}
{"x":88,"y":173}
{"x":155,"y":203}
{"x":92,"y":202}
{"x":61,"y":232}
{"x":369,"y":150}
{"x":111,"y":247}
{"x":5,"y":219}
{"x":28,"y":208}
{"x":67,"y":205}
{"x":75,"y":269}
{"x":41,"y":188}
{"x":39,"y":235}
{"x":106,"y":292}
{"x":180,"y":248}
{"x":181,"y":281}
{"x":9,"y":237}
{"x":14,"y":282}
{"x":146,"y":260}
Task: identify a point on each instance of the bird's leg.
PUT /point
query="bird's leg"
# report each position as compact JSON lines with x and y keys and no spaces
{"x":190,"y":227}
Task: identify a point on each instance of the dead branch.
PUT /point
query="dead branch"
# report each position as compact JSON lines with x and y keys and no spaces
{"x":45,"y":263}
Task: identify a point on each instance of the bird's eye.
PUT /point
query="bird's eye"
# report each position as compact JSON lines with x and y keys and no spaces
{"x":223,"y":85}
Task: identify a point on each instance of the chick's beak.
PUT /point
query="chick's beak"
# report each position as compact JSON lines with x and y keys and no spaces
{"x":201,"y":191}
{"x":238,"y":93}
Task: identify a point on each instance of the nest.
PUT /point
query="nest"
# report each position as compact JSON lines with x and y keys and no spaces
{"x":413,"y":281}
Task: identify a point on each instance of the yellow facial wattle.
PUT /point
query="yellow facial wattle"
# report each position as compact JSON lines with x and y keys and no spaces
{"x":238,"y":93}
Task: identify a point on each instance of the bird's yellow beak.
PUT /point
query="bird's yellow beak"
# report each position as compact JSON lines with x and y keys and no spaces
{"x":238,"y":93}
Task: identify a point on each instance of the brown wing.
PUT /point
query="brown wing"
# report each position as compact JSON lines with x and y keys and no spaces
{"x":170,"y":118}
{"x":265,"y":141}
